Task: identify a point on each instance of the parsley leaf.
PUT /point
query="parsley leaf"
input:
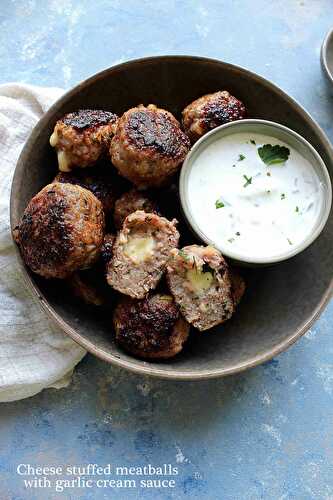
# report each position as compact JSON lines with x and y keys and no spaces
{"x":241,"y":157}
{"x":248,"y":180}
{"x":272,"y":155}
{"x":184,"y":255}
{"x":219,"y":204}
{"x":296,"y":209}
{"x":252,"y":141}
{"x":283,"y":196}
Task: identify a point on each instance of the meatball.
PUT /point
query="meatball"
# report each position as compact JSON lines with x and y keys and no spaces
{"x":200,"y":282}
{"x":210,"y":111}
{"x":141,"y":251}
{"x":85,"y":289}
{"x":131,"y":202}
{"x":148,"y":146}
{"x":150,"y":328}
{"x":99,"y":183}
{"x":238,"y":286}
{"x":61,"y":230}
{"x":81,"y":137}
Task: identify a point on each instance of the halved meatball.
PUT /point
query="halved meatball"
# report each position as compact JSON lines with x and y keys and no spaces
{"x":81,"y":137}
{"x":99,"y":183}
{"x":152,"y":328}
{"x":140,"y":253}
{"x":130,"y":202}
{"x":61,"y":230}
{"x":210,"y":111}
{"x":199,"y":280}
{"x":149,"y":146}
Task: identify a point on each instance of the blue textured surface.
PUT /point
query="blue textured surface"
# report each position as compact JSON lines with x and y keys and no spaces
{"x":266,"y":433}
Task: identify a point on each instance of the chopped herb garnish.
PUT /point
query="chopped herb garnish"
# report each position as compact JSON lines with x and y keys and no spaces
{"x":273,"y":155}
{"x":252,"y":141}
{"x":234,"y":165}
{"x":268,"y":191}
{"x":184,"y":255}
{"x":219,"y":204}
{"x":238,"y":233}
{"x":241,"y":157}
{"x":248,"y":180}
{"x":283,"y":196}
{"x":231,"y":240}
{"x":290,"y":243}
{"x":296,"y":209}
{"x":269,"y":174}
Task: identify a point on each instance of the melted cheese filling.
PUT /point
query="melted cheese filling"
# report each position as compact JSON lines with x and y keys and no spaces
{"x":139,"y":249}
{"x":200,"y":281}
{"x":54,"y":139}
{"x":63,"y":161}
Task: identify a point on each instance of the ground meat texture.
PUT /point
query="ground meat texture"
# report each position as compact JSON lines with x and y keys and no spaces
{"x":61,"y":230}
{"x":151,"y":328}
{"x":149,"y":146}
{"x":140,"y":253}
{"x":210,"y":111}
{"x":131,"y":202}
{"x":80,"y":138}
{"x":99,"y":183}
{"x":199,"y":280}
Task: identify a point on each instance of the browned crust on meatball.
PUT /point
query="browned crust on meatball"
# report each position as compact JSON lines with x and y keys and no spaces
{"x":82,"y":137}
{"x":100,"y":184}
{"x":136,"y":277}
{"x":89,"y":118}
{"x":203,"y":307}
{"x":148,"y":146}
{"x":61,"y":230}
{"x":130,"y":202}
{"x":152,"y":328}
{"x":210,"y":111}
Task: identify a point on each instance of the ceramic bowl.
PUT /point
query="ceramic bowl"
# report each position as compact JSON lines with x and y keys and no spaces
{"x":276,"y":131}
{"x":280,"y":303}
{"x":326,"y":56}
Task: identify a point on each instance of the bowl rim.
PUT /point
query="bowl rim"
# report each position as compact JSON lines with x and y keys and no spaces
{"x":236,"y":127}
{"x":144,"y":368}
{"x":323,"y":54}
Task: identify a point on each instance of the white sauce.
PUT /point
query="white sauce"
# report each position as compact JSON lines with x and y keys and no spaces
{"x":261,"y":218}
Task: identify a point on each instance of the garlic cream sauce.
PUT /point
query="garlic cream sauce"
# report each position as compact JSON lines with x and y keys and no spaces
{"x":260,"y":211}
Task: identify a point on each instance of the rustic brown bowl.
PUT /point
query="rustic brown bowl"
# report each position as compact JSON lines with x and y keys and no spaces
{"x":281,"y":302}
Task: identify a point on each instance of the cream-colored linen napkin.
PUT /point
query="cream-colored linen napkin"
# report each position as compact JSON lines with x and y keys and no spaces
{"x":34,"y":353}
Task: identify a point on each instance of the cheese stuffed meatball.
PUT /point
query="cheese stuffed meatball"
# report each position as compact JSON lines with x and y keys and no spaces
{"x":130,"y":202}
{"x":80,"y":138}
{"x":210,"y":111}
{"x":152,"y":328}
{"x":140,"y":253}
{"x":200,"y":282}
{"x":61,"y":230}
{"x":149,"y":146}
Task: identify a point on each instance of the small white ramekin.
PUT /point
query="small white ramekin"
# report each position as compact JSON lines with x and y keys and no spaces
{"x":282,"y":133}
